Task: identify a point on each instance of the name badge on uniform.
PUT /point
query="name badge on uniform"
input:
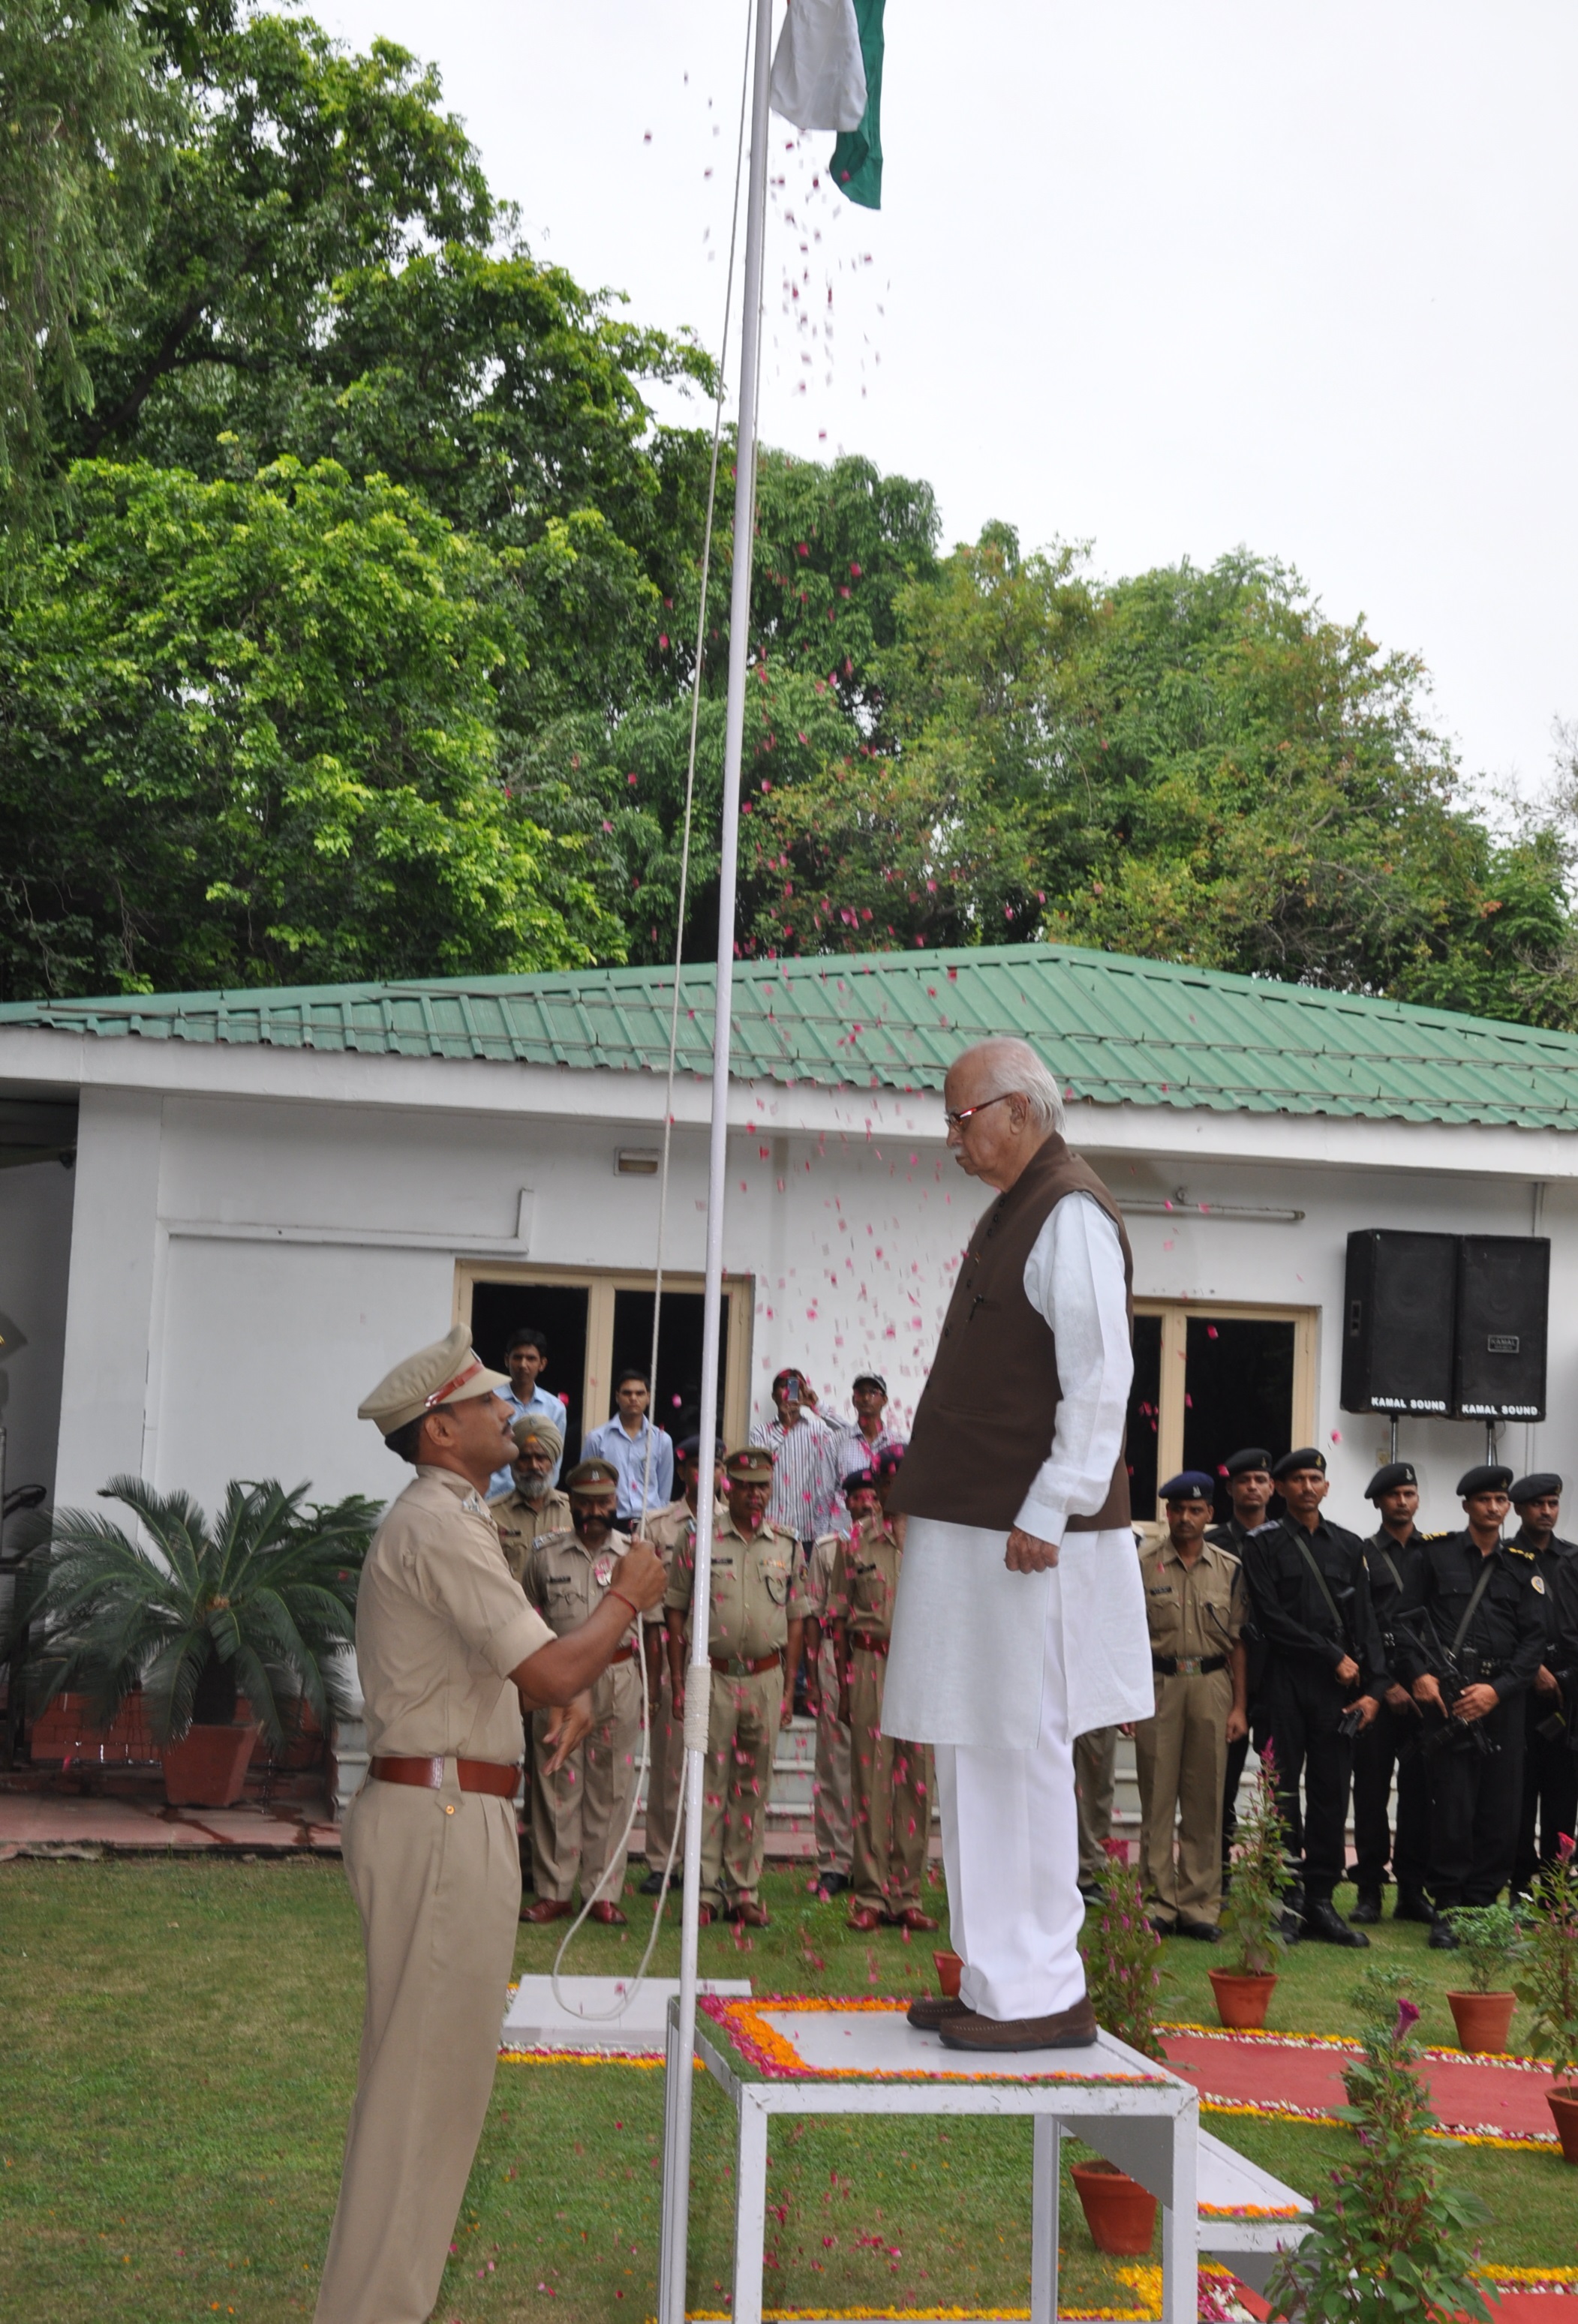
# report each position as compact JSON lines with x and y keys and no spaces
{"x":602,"y":1570}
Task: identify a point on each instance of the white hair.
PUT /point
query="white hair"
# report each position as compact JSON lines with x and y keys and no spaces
{"x":1013,"y":1068}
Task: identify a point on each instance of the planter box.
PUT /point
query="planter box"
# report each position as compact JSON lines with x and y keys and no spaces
{"x":208,"y":1768}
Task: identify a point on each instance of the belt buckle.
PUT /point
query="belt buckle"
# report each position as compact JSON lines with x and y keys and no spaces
{"x":1189,"y":1666}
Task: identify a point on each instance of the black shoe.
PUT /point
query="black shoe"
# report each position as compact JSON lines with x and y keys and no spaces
{"x":1442,"y":1938}
{"x":1163,"y":1928}
{"x":1322,"y":1921}
{"x":1292,"y":1927}
{"x":832,"y":1884}
{"x":1204,"y":1932}
{"x":1413,"y":1905}
{"x":652,"y":1885}
{"x":1366,"y":1911}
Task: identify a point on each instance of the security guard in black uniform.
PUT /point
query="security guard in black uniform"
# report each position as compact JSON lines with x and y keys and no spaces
{"x":1393,"y":1558}
{"x":1325,"y":1671}
{"x":1247,"y":1475}
{"x":1481,"y":1634}
{"x":1550,"y":1769}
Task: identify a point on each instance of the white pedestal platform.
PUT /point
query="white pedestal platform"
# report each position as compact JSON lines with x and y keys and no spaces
{"x":778,"y":2058}
{"x":584,"y":2019}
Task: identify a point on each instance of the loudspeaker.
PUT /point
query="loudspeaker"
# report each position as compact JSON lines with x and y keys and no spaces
{"x":1503,"y":1302}
{"x":1400,"y":1292}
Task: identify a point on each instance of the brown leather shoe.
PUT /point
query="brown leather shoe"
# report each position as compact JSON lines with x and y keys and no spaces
{"x":751,"y":1913}
{"x":607,"y":1915}
{"x":929,"y":2011}
{"x":547,"y":1908}
{"x":863,"y":1920}
{"x":911,"y":1918}
{"x":1066,"y":2029}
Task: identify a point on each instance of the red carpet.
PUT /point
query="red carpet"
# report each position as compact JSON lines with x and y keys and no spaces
{"x":1300,"y":2076}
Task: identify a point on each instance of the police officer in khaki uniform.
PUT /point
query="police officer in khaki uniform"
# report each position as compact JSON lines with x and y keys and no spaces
{"x":580,"y":1808}
{"x":1195,"y":1605}
{"x":832,"y":1792}
{"x":670,"y":1527}
{"x":448,"y":1651}
{"x":893,"y":1783}
{"x":536,"y":1506}
{"x":753,"y":1634}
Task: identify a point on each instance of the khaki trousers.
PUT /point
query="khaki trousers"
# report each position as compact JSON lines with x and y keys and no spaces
{"x":832,"y":1792}
{"x":578,"y":1815}
{"x":741,"y":1738}
{"x":893,"y":1796}
{"x":437,"y":1880}
{"x":1181,"y":1755}
{"x":1095,"y":1757}
{"x":665,"y":1775}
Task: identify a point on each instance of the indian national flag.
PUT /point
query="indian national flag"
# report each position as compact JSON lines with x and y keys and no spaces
{"x":827,"y":74}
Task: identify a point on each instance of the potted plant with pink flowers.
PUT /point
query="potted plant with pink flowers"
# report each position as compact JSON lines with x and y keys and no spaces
{"x":1550,"y":1986}
{"x":1123,"y":1975}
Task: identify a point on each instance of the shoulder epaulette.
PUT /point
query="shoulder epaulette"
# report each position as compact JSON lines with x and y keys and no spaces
{"x":1516,"y":1549}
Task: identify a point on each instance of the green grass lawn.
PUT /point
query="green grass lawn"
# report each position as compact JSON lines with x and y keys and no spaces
{"x":176,"y":2063}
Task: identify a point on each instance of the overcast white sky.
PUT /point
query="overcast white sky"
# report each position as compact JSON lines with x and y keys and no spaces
{"x":1166,"y":275}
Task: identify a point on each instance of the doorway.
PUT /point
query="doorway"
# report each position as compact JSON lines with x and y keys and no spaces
{"x":557,"y":1310}
{"x":1206,"y":1381}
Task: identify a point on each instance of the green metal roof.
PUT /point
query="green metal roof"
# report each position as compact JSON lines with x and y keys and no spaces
{"x":1120,"y":1031}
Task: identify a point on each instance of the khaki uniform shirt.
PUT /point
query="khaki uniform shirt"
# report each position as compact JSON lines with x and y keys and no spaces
{"x":755,"y":1592}
{"x":521,"y":1522}
{"x":1192,"y":1611}
{"x":440,"y":1627}
{"x":566,"y":1581}
{"x":865,"y":1580}
{"x":817,"y":1580}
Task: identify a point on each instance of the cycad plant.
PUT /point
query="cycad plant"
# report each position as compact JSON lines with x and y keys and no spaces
{"x":261,"y":1603}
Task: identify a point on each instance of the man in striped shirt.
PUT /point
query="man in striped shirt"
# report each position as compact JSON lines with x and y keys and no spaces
{"x":862,"y":1444}
{"x":805,"y":1461}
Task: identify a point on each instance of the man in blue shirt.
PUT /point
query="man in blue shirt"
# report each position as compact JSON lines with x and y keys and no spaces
{"x":623,"y":1441}
{"x":526,"y":1358}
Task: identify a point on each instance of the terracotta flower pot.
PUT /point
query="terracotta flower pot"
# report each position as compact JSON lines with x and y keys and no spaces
{"x":1118,"y":2211}
{"x":1564,"y":2105}
{"x":1241,"y":2001}
{"x":950,"y":1968}
{"x":207,"y":1767}
{"x":1481,"y":2019}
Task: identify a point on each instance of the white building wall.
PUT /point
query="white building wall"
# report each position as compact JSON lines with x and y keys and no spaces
{"x":246,"y":1268}
{"x":36,"y":1200}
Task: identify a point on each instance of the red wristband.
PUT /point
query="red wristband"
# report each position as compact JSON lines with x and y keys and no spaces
{"x":624,"y":1601}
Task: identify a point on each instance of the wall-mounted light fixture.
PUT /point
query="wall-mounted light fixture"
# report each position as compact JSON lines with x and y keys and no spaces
{"x":636,"y":1162}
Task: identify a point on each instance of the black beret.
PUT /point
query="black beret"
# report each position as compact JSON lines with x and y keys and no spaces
{"x":1387,"y":1479}
{"x":1250,"y":1456}
{"x":1488,"y":1477}
{"x":690,"y":1449}
{"x":860,"y":1480}
{"x":1302,"y":1456}
{"x":1188,"y":1485}
{"x":1536,"y":1487}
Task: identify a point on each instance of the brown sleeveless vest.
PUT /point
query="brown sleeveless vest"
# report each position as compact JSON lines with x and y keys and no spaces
{"x":985,"y":1422}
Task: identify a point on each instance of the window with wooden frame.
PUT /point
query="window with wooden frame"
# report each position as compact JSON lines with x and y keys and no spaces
{"x":596,"y":1321}
{"x":1209,"y":1379}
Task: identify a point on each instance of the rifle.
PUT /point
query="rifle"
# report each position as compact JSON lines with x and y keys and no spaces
{"x":1457,"y":1669}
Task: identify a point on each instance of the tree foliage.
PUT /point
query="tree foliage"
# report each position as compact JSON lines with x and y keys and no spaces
{"x":327,"y":341}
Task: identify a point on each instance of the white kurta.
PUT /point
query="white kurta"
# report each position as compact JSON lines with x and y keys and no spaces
{"x":968,"y":1662}
{"x":1000,"y":1670}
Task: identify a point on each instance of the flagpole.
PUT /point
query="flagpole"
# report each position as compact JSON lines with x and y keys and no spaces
{"x":681,"y":2047}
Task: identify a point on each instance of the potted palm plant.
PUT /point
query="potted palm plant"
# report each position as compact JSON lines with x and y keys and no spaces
{"x":1550,"y":1985}
{"x":1491,"y":1941}
{"x":1122,"y":1972}
{"x":260,"y":1603}
{"x":1251,"y":1911}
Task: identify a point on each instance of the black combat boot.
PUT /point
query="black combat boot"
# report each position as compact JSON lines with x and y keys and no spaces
{"x":1367,"y":1910}
{"x":1322,"y":1921}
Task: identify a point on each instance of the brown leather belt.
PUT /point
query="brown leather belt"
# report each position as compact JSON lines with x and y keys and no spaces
{"x":472,"y":1775}
{"x":625,"y":1654}
{"x":869,"y":1645}
{"x":735,"y":1667}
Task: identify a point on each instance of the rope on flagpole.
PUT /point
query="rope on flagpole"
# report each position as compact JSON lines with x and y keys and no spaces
{"x":708,"y":1433}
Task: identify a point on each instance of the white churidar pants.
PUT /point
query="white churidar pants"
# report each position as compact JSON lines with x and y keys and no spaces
{"x":1011,"y":1851}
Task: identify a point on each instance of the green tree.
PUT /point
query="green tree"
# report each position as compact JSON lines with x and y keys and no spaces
{"x":248,"y":734}
{"x":82,"y":123}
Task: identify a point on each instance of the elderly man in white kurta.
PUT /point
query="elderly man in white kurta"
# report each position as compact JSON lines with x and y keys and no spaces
{"x":1020,"y":1622}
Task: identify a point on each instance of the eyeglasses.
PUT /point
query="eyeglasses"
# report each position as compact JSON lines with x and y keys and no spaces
{"x":964,"y":1113}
